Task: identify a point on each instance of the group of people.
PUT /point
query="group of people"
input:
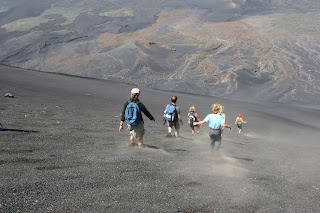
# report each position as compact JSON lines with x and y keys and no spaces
{"x":131,"y":113}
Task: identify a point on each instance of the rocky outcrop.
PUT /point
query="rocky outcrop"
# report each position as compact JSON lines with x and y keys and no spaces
{"x":272,"y":56}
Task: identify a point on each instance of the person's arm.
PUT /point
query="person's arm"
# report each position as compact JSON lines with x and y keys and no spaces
{"x":243,"y":121}
{"x":177,"y":111}
{"x":146,"y":112}
{"x":188,"y":115}
{"x":206,"y":119}
{"x":196,"y":115}
{"x":180,"y":119}
{"x":122,"y":116}
{"x":224,"y":117}
{"x":225,"y":125}
{"x":200,"y":122}
{"x":197,"y":118}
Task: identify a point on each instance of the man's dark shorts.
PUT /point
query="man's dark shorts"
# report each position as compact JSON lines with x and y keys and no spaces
{"x":174,"y":124}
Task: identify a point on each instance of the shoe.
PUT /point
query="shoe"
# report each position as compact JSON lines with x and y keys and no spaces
{"x":169,"y":135}
{"x":132,"y":144}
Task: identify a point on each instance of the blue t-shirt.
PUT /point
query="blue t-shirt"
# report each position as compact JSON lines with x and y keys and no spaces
{"x":215,"y":121}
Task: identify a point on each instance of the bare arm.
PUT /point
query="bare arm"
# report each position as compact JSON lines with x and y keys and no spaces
{"x":122,"y":116}
{"x":243,"y":121}
{"x":196,"y":115}
{"x":121,"y":126}
{"x":200,"y":122}
{"x":226,"y":125}
{"x":180,"y":119}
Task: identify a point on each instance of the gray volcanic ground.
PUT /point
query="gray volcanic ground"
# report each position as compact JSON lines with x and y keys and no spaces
{"x":261,"y":50}
{"x":61,"y":152}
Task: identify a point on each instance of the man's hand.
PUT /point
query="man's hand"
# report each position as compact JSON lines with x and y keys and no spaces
{"x":120,"y":128}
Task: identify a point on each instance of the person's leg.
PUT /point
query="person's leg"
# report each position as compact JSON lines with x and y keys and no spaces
{"x":132,"y":135}
{"x":192,"y":130}
{"x":212,"y":139}
{"x":176,"y":133}
{"x":177,"y":127}
{"x":215,"y":136}
{"x":198,"y":131}
{"x":139,"y":131}
{"x":140,"y":142}
{"x":170,"y":127}
{"x":169,"y":131}
{"x":217,"y":142}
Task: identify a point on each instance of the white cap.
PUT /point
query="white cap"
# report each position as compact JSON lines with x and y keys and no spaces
{"x":135,"y":91}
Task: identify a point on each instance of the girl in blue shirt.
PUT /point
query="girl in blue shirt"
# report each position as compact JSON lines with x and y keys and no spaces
{"x":216,"y":122}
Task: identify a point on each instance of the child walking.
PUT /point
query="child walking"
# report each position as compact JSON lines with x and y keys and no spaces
{"x":193,"y":117}
{"x":216,"y":122}
{"x":239,"y":122}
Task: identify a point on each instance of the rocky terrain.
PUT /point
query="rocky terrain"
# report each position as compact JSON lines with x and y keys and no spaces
{"x":261,"y":50}
{"x":60,"y":151}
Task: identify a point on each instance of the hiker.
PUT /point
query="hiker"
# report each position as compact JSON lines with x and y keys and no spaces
{"x":172,"y":115}
{"x":131,"y":112}
{"x":239,"y":122}
{"x":221,"y":108}
{"x":193,"y":117}
{"x":216,"y":122}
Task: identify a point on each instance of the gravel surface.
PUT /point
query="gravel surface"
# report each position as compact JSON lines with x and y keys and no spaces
{"x":60,"y":151}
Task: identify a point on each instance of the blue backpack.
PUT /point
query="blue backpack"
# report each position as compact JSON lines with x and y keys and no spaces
{"x":170,"y":113}
{"x":132,"y":114}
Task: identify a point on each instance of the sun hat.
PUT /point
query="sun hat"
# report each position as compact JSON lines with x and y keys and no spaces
{"x":135,"y":91}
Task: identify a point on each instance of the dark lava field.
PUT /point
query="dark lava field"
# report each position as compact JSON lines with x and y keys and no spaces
{"x":264,"y":50}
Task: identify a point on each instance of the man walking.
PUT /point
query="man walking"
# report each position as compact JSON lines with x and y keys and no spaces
{"x":172,"y":115}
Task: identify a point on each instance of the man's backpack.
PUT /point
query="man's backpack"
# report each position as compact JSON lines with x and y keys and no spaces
{"x":170,"y":113}
{"x":132,"y":114}
{"x":192,"y":118}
